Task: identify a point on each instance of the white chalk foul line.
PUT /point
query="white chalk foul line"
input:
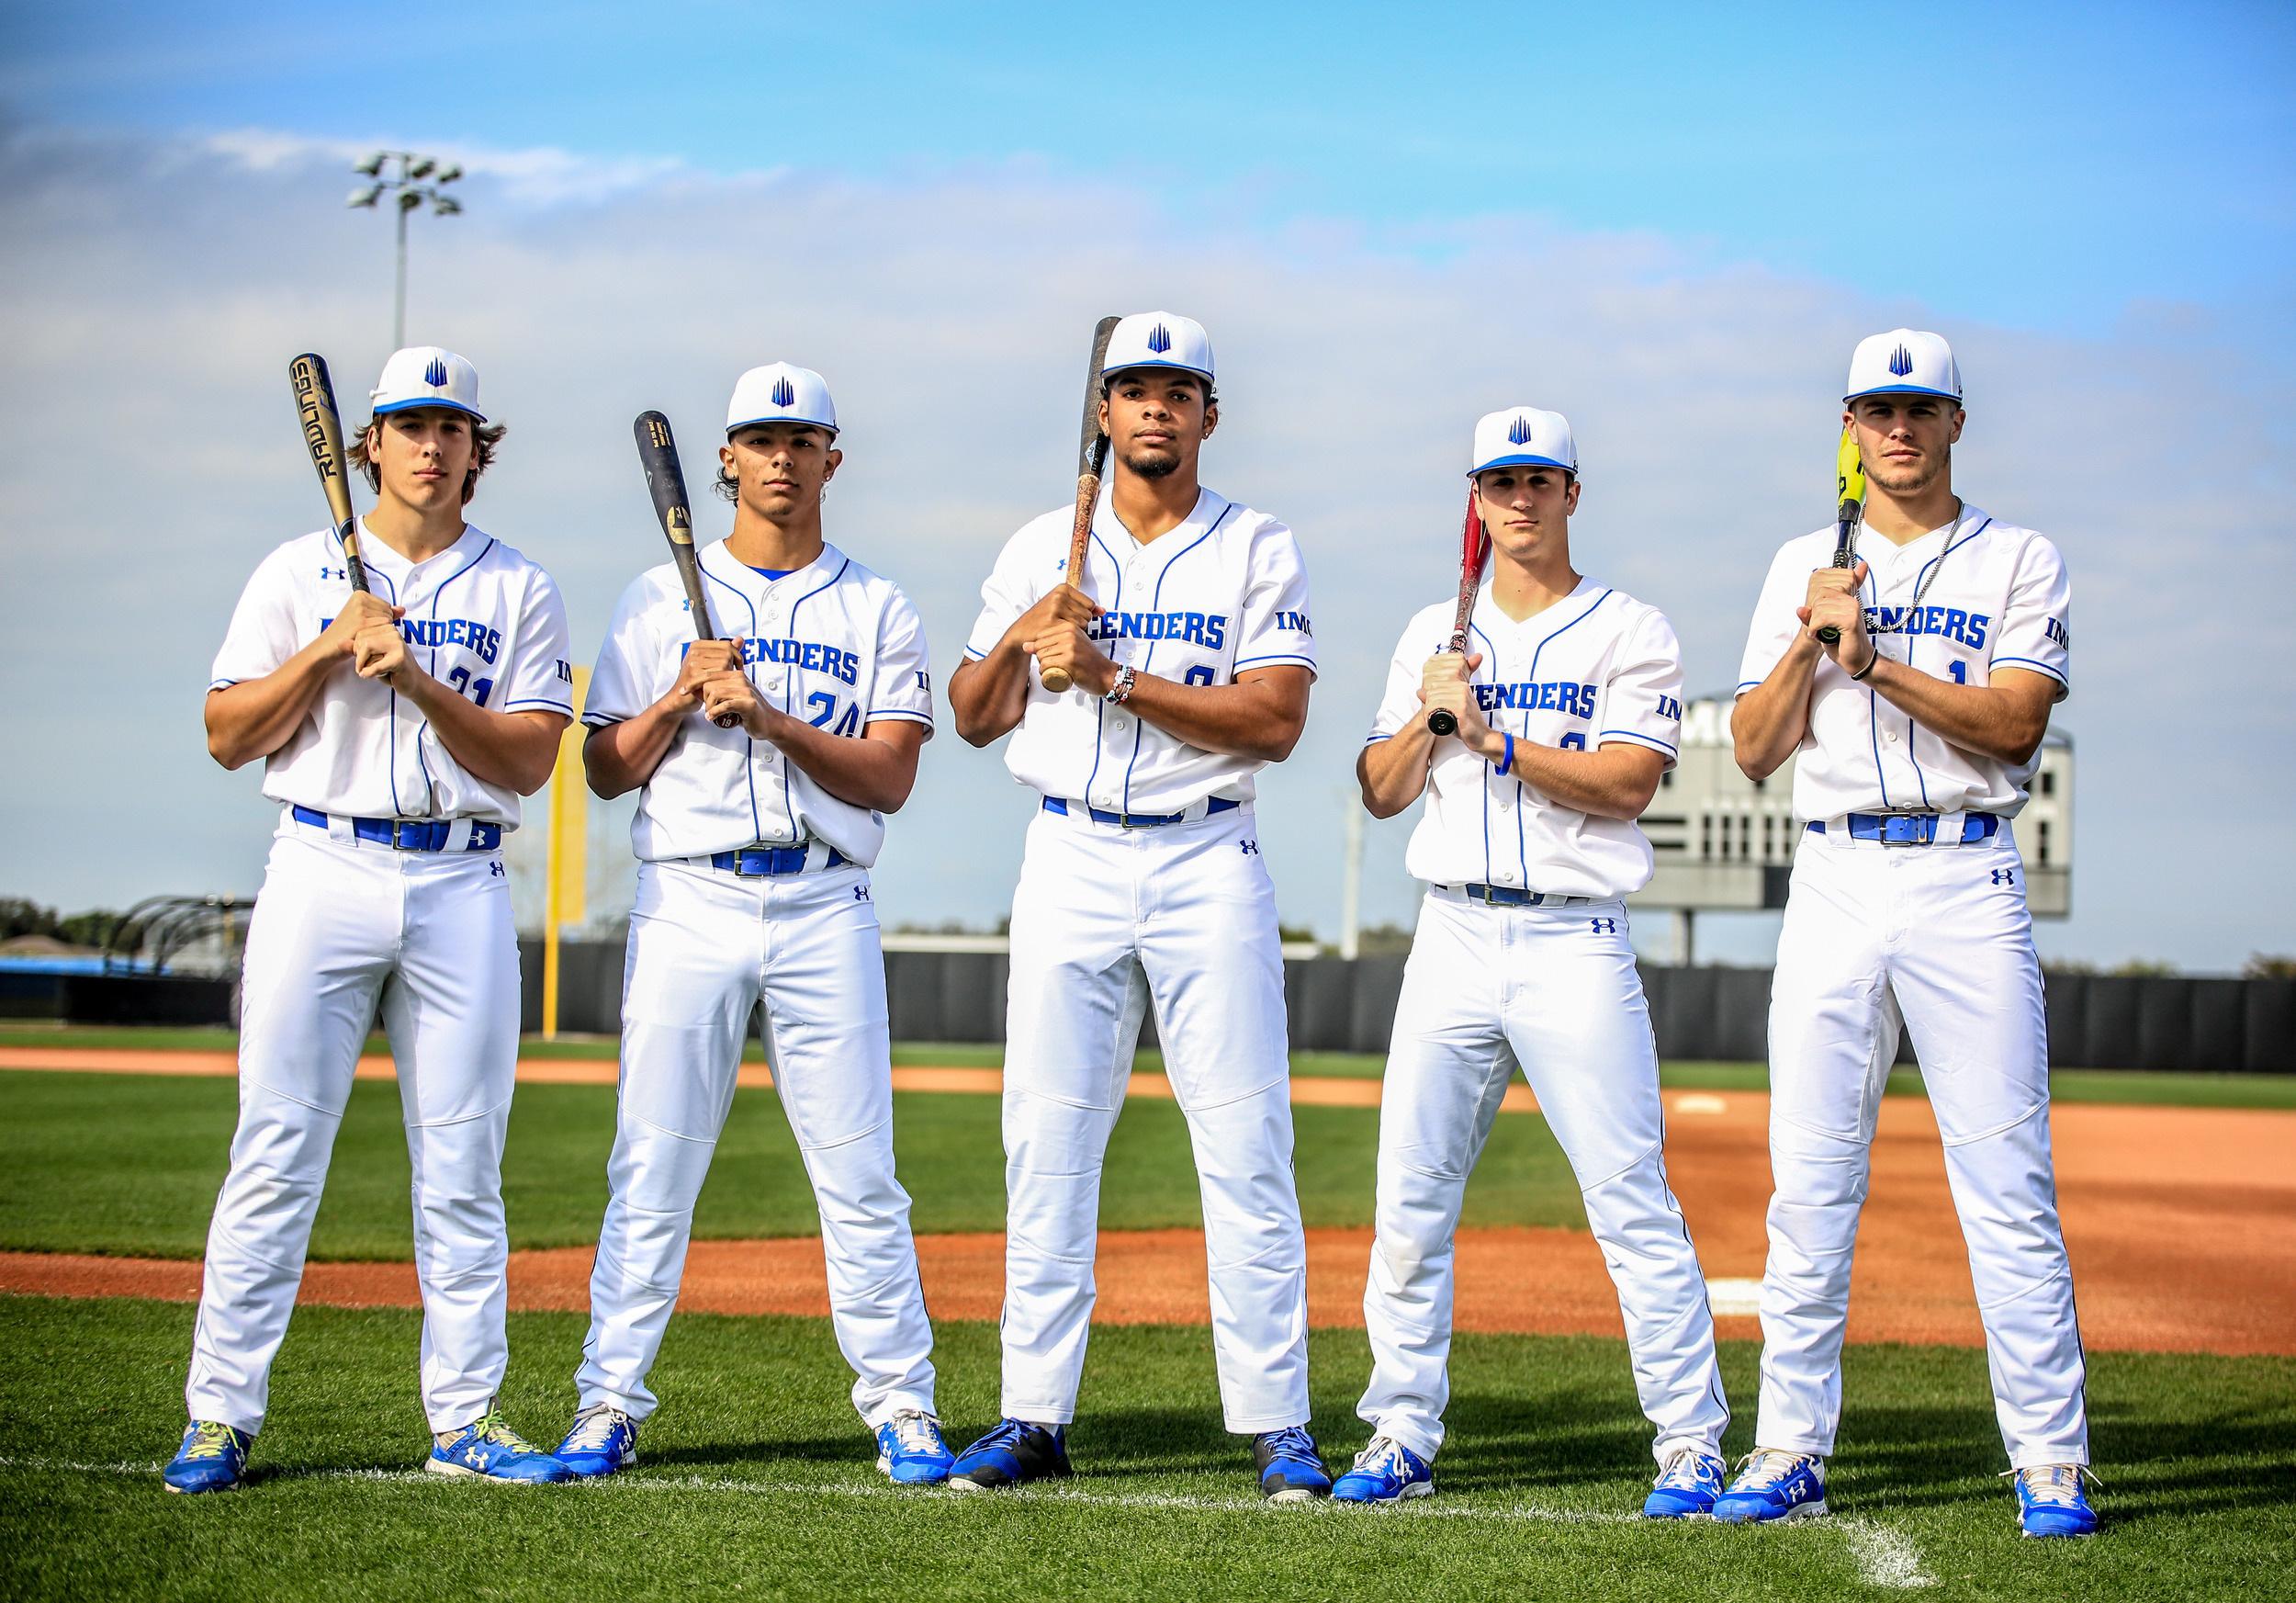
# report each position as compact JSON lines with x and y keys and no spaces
{"x":1884,"y":1557}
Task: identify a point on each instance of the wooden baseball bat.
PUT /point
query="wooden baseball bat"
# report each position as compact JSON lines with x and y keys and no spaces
{"x":666,"y":482}
{"x":1849,"y":491}
{"x":1475,"y":545}
{"x":322,"y":436}
{"x":1092,"y":458}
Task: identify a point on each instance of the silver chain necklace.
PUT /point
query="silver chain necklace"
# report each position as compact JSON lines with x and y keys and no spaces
{"x":1905,"y":617}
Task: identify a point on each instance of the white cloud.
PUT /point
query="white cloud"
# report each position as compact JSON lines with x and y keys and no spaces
{"x":154,"y":295}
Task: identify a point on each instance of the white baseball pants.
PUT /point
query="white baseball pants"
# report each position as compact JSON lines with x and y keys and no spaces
{"x":1105,"y":919}
{"x":1554,"y":991}
{"x":1939,"y":939}
{"x":340,"y":922}
{"x":704,"y":947}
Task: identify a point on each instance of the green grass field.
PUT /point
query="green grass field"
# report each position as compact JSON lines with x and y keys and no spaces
{"x":755,"y":1479}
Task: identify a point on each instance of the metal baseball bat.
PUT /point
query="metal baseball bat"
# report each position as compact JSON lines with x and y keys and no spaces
{"x":1092,"y":458}
{"x":322,"y":436}
{"x":1474,"y":547}
{"x":1850,"y":488}
{"x":666,"y":482}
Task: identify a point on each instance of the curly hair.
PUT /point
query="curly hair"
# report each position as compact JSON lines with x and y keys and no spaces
{"x":484,"y":438}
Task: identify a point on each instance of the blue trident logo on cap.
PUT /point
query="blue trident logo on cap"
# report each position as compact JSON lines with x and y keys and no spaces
{"x":1521,"y":432}
{"x":1159,"y":339}
{"x":785,"y":393}
{"x":435,"y":374}
{"x":1901,"y":361}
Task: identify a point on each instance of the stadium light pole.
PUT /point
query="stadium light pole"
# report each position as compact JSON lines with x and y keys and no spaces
{"x":411,"y":180}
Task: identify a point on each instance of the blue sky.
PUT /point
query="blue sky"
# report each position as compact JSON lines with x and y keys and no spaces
{"x":1670,"y":224}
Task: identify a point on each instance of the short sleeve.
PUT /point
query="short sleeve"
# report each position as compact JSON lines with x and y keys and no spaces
{"x":1005,"y":595}
{"x":622,"y":684}
{"x":1642,"y":704}
{"x":2036,"y":632}
{"x":1776,"y":620}
{"x":1274,"y":631}
{"x":1399,"y":702}
{"x":903,"y":687}
{"x":539,"y":677}
{"x":262,"y":634}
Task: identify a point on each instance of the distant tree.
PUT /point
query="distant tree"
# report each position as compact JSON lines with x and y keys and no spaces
{"x":2067,"y":966}
{"x":1294,"y":933}
{"x":20,"y":917}
{"x":2144,"y":968}
{"x":2269,"y":966}
{"x":96,"y":928}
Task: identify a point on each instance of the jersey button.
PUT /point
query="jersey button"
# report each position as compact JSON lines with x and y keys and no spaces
{"x":1891,"y":737}
{"x":1506,"y":876}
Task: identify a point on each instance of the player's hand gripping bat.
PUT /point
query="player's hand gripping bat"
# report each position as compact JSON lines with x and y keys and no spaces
{"x":1475,"y":545}
{"x":666,"y":481}
{"x":1093,"y":457}
{"x":1850,"y":486}
{"x":322,"y":436}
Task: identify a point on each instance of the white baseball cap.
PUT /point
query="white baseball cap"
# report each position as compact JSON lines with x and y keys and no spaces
{"x":1524,"y":436}
{"x":426,"y":375}
{"x":780,"y":392}
{"x":1904,"y":361}
{"x":1159,"y":339}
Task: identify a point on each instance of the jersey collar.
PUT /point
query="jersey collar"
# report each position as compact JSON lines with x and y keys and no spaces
{"x":721,"y":565}
{"x":1210,"y":504}
{"x":375,"y":553}
{"x":1488,"y":618}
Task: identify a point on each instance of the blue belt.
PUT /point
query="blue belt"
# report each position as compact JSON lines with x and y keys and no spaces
{"x":408,"y":834}
{"x":1500,"y":896}
{"x":1213,"y":807}
{"x":1914,"y":828}
{"x":754,"y":862}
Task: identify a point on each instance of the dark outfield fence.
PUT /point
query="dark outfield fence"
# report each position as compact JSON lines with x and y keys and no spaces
{"x":2095,"y":1021}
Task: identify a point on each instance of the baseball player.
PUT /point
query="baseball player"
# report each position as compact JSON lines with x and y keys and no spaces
{"x":1915,"y":733}
{"x":1568,"y":707}
{"x":398,"y":731}
{"x":754,"y":843}
{"x":1190,"y":659}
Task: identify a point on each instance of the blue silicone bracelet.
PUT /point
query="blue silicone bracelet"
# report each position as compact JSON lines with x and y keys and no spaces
{"x":1507,"y":761}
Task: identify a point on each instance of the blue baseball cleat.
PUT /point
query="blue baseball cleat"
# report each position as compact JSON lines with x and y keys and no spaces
{"x":1386,"y":1472}
{"x":2050,"y":1501}
{"x":1687,"y":1487}
{"x":213,"y":1458}
{"x":1289,"y":1468}
{"x":490,"y":1448}
{"x":1013,"y":1454}
{"x":1773,"y":1484}
{"x":910,"y":1452}
{"x":603,"y":1440}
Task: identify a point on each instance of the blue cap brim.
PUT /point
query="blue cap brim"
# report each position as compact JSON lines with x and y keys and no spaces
{"x":1524,"y":459}
{"x":436,"y":403}
{"x":1902,"y":389}
{"x":812,"y":423}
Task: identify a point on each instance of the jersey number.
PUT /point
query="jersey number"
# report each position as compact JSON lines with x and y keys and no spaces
{"x":1958,"y":670}
{"x":478,"y":690}
{"x":847,"y":725}
{"x":1573,"y":741}
{"x":1200,"y":674}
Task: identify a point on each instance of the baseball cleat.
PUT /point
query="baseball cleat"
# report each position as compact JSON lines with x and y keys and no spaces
{"x":489,"y":1449}
{"x":1386,"y":1472}
{"x":910,"y":1452}
{"x":2050,"y":1501}
{"x":1773,"y":1485}
{"x":1289,"y":1468}
{"x":1686,"y":1488}
{"x":213,"y":1458}
{"x":1012,"y":1454}
{"x":603,"y":1440}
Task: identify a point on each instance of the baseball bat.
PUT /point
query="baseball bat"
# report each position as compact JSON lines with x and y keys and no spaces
{"x":666,"y":482}
{"x":1849,"y":488}
{"x":322,"y":436}
{"x":1092,"y":458}
{"x":1474,"y":547}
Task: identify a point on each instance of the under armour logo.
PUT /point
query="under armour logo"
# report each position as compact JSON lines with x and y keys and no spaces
{"x":326,"y":572}
{"x":495,"y":867}
{"x":785,"y":393}
{"x":860,"y":892}
{"x":1901,"y":361}
{"x":1249,"y":848}
{"x":2005,"y":876}
{"x":1521,"y":432}
{"x":1605,"y":926}
{"x":1159,"y":339}
{"x":435,"y":374}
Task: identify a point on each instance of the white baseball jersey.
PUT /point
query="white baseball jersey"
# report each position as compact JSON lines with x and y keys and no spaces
{"x":1596,"y":667}
{"x":1996,"y":597}
{"x":479,"y":617}
{"x":831,"y":643}
{"x":1223,"y":593}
